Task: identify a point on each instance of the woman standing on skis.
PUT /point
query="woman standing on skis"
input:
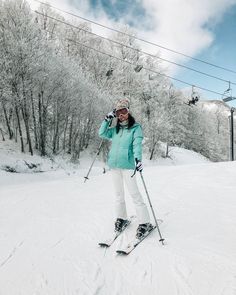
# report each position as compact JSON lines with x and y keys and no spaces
{"x":124,"y":157}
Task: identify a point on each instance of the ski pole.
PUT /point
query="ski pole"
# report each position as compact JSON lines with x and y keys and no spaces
{"x":91,"y":166}
{"x":99,"y":149}
{"x":161,"y":239}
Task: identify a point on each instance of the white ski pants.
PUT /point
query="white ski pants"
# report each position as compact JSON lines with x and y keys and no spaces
{"x":119,"y":177}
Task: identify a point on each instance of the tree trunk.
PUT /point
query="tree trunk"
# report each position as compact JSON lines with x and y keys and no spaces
{"x":25,"y":115}
{"x":167,"y":150}
{"x":34,"y":121}
{"x":56,"y":138}
{"x":44,"y":129}
{"x":56,"y":130}
{"x":153,"y":150}
{"x":20,"y":130}
{"x":75,"y":152}
{"x":42,"y":144}
{"x":14,"y":93}
{"x":70,"y":135}
{"x":64,"y":137}
{"x":3,"y":138}
{"x":7,"y":121}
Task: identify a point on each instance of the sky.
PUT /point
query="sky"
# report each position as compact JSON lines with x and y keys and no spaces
{"x":203,"y":29}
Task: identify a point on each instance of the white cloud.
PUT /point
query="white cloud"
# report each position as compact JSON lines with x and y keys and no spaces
{"x":182,"y":25}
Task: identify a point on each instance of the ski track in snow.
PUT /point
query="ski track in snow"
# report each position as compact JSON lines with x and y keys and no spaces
{"x":181,"y":275}
{"x":61,"y":222}
{"x":10,"y":255}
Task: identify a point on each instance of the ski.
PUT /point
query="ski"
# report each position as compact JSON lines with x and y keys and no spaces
{"x":107,"y":243}
{"x":134,"y":243}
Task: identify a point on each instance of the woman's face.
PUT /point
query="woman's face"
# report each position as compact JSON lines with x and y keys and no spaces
{"x":122,"y":114}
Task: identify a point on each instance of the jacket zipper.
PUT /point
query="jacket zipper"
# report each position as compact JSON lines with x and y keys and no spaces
{"x":119,"y":145}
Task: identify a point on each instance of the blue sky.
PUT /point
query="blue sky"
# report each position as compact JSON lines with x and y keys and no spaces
{"x":204,"y":29}
{"x":221,"y":52}
{"x":118,"y":9}
{"x":218,"y":30}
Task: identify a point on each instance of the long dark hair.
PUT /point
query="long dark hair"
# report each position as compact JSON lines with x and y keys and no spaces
{"x":131,"y":122}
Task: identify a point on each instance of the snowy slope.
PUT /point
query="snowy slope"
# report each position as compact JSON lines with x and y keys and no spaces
{"x":50,"y":227}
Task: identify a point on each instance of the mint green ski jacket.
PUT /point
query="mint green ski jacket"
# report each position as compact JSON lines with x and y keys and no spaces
{"x":126,"y":145}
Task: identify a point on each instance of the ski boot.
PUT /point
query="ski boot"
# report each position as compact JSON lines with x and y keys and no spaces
{"x":120,"y":224}
{"x":143,"y":229}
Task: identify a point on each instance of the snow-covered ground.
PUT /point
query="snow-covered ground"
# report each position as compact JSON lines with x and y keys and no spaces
{"x":51,"y":223}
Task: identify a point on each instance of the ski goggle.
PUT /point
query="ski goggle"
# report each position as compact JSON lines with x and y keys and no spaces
{"x":122,"y":112}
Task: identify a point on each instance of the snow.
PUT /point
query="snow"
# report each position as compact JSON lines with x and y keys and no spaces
{"x":51,"y":223}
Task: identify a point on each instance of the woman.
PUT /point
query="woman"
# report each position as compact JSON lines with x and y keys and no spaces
{"x":124,"y":157}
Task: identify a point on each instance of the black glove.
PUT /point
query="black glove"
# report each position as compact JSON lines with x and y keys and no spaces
{"x":110,"y":115}
{"x":139,"y":165}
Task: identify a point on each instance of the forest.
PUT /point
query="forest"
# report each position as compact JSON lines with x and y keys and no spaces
{"x":58,"y":80}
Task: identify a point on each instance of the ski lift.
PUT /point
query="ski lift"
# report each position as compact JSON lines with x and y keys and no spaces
{"x":227,"y":92}
{"x":194,"y":97}
{"x":109,"y":73}
{"x":229,"y":88}
{"x":138,"y":68}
